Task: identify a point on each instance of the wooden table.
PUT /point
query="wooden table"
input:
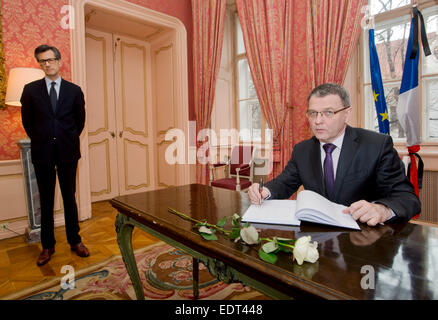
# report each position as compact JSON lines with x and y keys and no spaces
{"x":394,"y":261}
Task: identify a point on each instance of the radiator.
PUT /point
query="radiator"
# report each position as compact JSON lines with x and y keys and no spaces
{"x":429,"y":197}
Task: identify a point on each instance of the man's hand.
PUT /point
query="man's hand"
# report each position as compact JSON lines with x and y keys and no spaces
{"x":254,"y":194}
{"x":369,"y":213}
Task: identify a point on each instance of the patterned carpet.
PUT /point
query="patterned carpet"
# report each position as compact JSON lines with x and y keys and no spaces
{"x":166,"y":274}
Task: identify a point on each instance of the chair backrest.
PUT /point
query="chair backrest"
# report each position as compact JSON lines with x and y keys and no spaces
{"x":241,"y":155}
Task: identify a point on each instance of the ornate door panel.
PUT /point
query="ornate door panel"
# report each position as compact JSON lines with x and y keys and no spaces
{"x":102,"y":142}
{"x":134,"y":115}
{"x":165,"y":115}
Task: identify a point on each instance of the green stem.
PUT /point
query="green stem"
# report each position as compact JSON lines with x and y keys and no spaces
{"x":182,"y":215}
{"x":279,"y":243}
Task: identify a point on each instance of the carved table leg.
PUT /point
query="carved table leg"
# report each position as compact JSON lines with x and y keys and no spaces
{"x":195,"y":278}
{"x":124,"y":239}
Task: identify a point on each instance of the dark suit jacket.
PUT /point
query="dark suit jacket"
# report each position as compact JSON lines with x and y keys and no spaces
{"x":369,"y":168}
{"x":54,"y":136}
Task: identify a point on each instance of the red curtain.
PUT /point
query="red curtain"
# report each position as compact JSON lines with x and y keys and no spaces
{"x":333,"y":33}
{"x":208,"y":32}
{"x":267,"y":30}
{"x":297,"y":126}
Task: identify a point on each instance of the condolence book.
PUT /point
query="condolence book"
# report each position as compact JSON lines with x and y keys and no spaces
{"x":309,"y":206}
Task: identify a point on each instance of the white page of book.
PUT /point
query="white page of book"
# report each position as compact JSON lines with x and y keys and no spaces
{"x":318,"y":209}
{"x":273,"y":212}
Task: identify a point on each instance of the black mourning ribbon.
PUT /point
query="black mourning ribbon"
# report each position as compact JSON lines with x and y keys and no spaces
{"x":427,"y":52}
{"x":424,"y":40}
{"x":420,"y":170}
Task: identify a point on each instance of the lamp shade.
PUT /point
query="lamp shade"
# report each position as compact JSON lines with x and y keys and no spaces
{"x":18,"y":78}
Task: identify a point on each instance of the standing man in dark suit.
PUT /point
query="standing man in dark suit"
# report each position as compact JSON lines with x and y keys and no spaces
{"x":53,"y":116}
{"x":351,"y":166}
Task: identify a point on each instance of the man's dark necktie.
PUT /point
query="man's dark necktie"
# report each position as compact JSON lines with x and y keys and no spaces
{"x":328,"y":169}
{"x":53,"y":96}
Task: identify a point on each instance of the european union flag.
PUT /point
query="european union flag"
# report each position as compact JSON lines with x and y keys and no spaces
{"x":377,"y":84}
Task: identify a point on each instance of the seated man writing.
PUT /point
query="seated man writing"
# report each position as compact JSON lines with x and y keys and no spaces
{"x":351,"y":166}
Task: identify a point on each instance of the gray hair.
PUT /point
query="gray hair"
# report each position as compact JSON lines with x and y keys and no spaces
{"x":328,"y":89}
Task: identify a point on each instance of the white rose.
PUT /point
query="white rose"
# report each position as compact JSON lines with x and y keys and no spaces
{"x":249,"y":235}
{"x":304,"y":250}
{"x":204,"y":229}
{"x":312,"y":252}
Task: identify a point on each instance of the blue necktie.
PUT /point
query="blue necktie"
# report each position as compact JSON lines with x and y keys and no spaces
{"x":53,"y":96}
{"x":328,"y":169}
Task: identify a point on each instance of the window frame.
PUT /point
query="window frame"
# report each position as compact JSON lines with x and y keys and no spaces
{"x":236,"y":59}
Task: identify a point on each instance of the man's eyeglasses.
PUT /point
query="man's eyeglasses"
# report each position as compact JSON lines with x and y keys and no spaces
{"x":326,"y":114}
{"x":50,"y":60}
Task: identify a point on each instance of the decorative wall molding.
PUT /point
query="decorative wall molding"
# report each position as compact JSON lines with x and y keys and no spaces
{"x":105,"y":142}
{"x":105,"y":85}
{"x":146,"y":149}
{"x":124,"y":44}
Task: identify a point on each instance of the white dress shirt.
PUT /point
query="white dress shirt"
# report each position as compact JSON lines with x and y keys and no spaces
{"x":49,"y":85}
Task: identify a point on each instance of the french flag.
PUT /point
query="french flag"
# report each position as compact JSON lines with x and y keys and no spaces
{"x":408,"y":107}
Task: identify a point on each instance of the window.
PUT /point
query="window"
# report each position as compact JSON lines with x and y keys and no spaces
{"x":251,"y":120}
{"x":379,"y":6}
{"x":392,"y":26}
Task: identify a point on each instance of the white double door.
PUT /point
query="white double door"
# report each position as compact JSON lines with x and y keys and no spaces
{"x":122,"y":155}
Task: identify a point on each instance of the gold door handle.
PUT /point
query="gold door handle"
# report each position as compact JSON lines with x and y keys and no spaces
{"x":120,"y":134}
{"x":112,"y":134}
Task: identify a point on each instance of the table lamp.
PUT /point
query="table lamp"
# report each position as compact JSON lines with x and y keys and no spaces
{"x":18,"y":77}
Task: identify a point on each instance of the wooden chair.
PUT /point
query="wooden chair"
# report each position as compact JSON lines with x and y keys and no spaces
{"x":239,"y":169}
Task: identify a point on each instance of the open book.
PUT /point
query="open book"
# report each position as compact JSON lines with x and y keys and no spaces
{"x":309,"y":206}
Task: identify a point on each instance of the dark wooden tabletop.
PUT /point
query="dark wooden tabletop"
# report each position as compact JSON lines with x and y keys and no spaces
{"x":403,"y":257}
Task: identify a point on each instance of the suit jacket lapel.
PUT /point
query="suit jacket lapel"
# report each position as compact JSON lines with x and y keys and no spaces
{"x":348,"y":151}
{"x":62,"y":93}
{"x":45,"y":94}
{"x":315,"y":159}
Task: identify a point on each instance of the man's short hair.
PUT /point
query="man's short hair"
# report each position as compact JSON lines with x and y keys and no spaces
{"x":43,"y":48}
{"x":328,"y":89}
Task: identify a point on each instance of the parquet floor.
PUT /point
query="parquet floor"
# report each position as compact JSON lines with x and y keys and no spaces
{"x":18,"y":268}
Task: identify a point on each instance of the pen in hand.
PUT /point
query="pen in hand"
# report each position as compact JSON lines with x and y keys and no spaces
{"x":260,"y":190}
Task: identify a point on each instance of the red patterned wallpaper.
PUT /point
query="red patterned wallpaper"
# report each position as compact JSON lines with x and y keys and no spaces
{"x":29,"y":23}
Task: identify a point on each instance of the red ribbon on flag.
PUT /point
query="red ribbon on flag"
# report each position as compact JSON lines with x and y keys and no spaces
{"x":413,"y":172}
